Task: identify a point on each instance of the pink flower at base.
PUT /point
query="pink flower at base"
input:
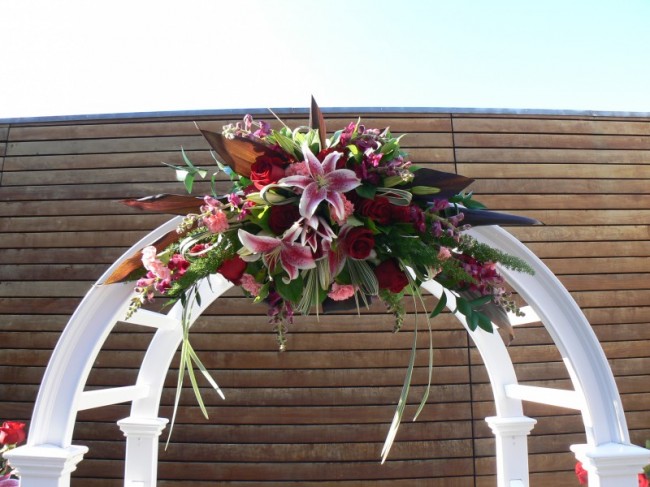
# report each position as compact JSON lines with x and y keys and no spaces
{"x":341,"y":292}
{"x":7,"y":481}
{"x":581,"y":474}
{"x":250,"y":285}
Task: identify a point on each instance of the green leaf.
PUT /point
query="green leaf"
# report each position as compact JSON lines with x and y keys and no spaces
{"x":205,"y":372}
{"x":195,"y":385}
{"x":442,"y":302}
{"x":484,"y":322}
{"x":287,"y":144}
{"x":463,"y":306}
{"x":367,"y":191}
{"x":401,"y":405}
{"x":478,"y":302}
{"x":472,"y":321}
{"x":292,"y":291}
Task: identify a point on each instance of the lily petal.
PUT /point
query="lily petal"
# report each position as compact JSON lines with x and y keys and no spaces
{"x":298,"y":181}
{"x":295,"y":256}
{"x":338,"y":204}
{"x":314,"y":166}
{"x":342,"y":180}
{"x":329,"y":164}
{"x":311,"y":198}
{"x":258,"y":244}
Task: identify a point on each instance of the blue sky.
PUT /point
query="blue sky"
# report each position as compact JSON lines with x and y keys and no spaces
{"x":78,"y":57}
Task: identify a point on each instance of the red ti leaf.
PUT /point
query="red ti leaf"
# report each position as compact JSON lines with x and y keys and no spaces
{"x":173,"y":204}
{"x":238,"y":153}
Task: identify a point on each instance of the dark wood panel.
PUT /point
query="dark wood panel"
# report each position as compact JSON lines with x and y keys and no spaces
{"x":550,"y":126}
{"x":552,"y":156}
{"x":637,"y":142}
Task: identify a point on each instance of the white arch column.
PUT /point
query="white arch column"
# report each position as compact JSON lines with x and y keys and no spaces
{"x":608,"y":456}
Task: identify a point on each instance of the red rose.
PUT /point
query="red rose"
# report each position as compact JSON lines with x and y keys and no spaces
{"x":378,"y":210}
{"x":358,"y":242}
{"x":267,"y":169}
{"x":12,"y":433}
{"x":233,"y":269}
{"x":281,"y":217}
{"x":390,"y":276}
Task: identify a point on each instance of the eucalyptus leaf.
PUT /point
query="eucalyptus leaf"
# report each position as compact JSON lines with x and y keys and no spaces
{"x":442,"y":302}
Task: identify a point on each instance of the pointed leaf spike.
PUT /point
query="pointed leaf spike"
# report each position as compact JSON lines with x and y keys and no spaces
{"x":317,"y":122}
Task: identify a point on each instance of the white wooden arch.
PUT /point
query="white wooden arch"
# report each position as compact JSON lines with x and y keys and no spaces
{"x":48,"y":458}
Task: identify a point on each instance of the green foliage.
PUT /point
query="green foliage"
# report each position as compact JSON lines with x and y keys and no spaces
{"x":484,"y":253}
{"x":394,"y":304}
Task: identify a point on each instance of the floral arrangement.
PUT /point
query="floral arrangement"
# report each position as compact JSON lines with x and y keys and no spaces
{"x":12,"y":433}
{"x":314,"y":223}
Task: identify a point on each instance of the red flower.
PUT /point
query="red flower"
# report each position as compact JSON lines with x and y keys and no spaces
{"x":378,"y":210}
{"x":12,"y":433}
{"x":267,"y":169}
{"x":233,"y":269}
{"x":643,"y":480}
{"x":178,"y":265}
{"x":281,"y":217}
{"x":581,"y":473}
{"x":359,"y":242}
{"x":390,"y":276}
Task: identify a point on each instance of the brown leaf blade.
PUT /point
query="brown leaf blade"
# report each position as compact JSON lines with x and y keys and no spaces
{"x":238,"y":153}
{"x":317,"y":122}
{"x":448,"y":183}
{"x":173,"y":204}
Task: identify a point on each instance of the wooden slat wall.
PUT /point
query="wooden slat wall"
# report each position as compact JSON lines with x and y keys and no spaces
{"x":318,"y":414}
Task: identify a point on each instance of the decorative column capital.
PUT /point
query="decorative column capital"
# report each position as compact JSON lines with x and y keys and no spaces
{"x":135,"y":426}
{"x":45,"y":464}
{"x":516,"y":426}
{"x":612,"y":460}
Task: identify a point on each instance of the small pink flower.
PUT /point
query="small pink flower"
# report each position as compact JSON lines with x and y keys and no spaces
{"x":297,"y":169}
{"x":444,"y":253}
{"x":216,"y":222}
{"x":7,"y":481}
{"x":151,"y":262}
{"x":341,"y":292}
{"x":249,"y":284}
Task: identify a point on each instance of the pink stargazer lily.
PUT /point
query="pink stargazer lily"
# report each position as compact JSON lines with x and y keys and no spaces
{"x":291,"y":255}
{"x":324,"y":183}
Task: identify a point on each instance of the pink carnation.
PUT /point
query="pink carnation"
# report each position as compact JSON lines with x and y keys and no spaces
{"x":444,"y":253}
{"x":249,"y":284}
{"x":341,"y":292}
{"x":216,"y":222}
{"x":297,"y":169}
